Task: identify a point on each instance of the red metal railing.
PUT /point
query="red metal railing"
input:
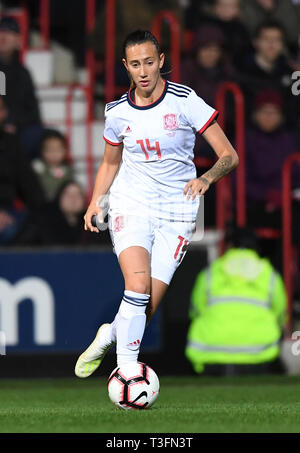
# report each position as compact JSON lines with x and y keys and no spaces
{"x":287,"y":246}
{"x":171,"y":19}
{"x":90,"y":14}
{"x":266,"y":233}
{"x":87,"y":89}
{"x":110,"y":13}
{"x":223,"y":191}
{"x":89,"y":159}
{"x":44,"y":20}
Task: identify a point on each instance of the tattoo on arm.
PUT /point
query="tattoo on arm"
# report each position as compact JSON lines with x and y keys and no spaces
{"x":201,"y":178}
{"x":220,"y":169}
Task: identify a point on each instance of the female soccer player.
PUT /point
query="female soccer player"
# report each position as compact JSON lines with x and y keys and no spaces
{"x":154,"y":198}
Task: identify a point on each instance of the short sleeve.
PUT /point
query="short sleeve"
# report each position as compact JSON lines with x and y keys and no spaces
{"x":111,"y":134}
{"x":199,"y":115}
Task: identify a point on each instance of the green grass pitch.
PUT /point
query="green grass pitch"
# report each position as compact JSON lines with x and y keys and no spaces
{"x":185,"y":404}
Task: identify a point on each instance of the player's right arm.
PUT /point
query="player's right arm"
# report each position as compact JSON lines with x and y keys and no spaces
{"x":104,"y":179}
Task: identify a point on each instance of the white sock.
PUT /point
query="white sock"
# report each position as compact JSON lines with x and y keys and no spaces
{"x":113,"y":324}
{"x":129,"y":325}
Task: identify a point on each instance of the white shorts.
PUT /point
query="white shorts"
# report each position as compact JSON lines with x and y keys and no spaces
{"x":165,"y":240}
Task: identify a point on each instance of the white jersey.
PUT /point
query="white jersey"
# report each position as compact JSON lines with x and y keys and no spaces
{"x":158,"y":151}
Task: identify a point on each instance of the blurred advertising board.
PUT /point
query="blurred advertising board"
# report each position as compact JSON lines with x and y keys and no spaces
{"x":54,"y":301}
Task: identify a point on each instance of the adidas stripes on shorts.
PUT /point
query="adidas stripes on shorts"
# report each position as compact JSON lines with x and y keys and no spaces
{"x":165,"y":240}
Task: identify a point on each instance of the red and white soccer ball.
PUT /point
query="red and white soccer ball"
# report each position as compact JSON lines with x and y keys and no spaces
{"x":133,"y":386}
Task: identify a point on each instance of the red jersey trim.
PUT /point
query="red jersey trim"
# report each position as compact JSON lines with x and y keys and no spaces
{"x":214,"y":116}
{"x":112,"y":143}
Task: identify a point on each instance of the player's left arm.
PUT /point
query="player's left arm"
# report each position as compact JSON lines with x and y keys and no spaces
{"x":227,"y":161}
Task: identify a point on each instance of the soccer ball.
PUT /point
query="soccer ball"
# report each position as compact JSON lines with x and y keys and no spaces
{"x":133,"y":386}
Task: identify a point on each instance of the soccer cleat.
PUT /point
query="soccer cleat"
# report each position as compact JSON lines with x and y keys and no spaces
{"x":91,"y":358}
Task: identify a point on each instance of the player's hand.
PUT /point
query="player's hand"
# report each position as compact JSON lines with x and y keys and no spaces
{"x":195,"y":187}
{"x":91,"y":211}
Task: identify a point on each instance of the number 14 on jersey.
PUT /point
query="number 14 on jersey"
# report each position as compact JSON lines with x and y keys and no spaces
{"x":149,"y":147}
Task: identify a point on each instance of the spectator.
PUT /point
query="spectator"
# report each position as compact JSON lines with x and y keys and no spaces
{"x":21,"y":102}
{"x":52,"y":168}
{"x":224,"y":14}
{"x":61,"y":221}
{"x":268,"y":144}
{"x":207,"y":67}
{"x":17,"y":183}
{"x":286,"y":12}
{"x":238,"y":312}
{"x":267,"y":67}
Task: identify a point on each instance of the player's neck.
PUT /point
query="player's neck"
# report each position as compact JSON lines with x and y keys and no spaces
{"x":145,"y":98}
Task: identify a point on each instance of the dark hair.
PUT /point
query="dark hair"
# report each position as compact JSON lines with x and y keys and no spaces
{"x":241,"y":237}
{"x":51,"y":133}
{"x":9,"y":24}
{"x":266,"y":24}
{"x":139,"y":37}
{"x":63,"y":187}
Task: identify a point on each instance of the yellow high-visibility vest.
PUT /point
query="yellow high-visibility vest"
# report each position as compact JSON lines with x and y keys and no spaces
{"x":238,"y":310}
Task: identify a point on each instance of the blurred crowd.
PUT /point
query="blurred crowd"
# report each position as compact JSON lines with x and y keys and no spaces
{"x":254,"y":43}
{"x":41,"y":203}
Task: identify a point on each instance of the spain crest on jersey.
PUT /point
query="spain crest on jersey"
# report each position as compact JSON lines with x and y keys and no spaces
{"x":171,"y":122}
{"x":118,"y":224}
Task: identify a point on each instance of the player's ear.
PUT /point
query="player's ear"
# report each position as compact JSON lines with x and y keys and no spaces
{"x":161,"y":60}
{"x":125,"y":63}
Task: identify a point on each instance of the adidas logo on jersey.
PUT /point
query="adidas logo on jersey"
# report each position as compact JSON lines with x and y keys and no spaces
{"x":134,"y":343}
{"x":128,"y":129}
